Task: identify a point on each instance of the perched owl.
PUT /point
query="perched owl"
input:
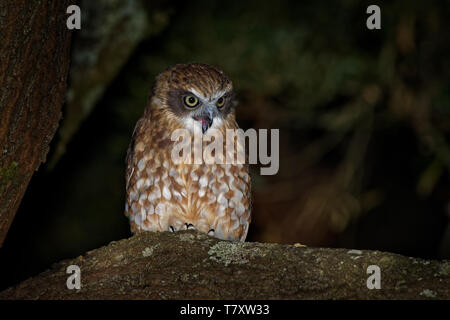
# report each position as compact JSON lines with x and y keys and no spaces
{"x":165,"y":195}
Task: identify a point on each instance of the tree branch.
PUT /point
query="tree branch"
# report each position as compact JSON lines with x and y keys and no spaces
{"x":190,"y":265}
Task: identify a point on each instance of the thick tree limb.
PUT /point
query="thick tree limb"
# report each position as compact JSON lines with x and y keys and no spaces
{"x":189,"y":265}
{"x":34,"y":62}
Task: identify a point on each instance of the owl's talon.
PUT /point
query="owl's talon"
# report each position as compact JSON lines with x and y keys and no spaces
{"x":189,"y":226}
{"x":172,"y":229}
{"x":211,"y":232}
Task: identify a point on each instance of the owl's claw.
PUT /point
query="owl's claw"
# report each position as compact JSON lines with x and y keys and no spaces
{"x":189,"y":226}
{"x":172,"y":229}
{"x":211,"y":232}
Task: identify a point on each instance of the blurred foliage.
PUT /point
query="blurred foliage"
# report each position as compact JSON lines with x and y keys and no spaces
{"x":364,"y":118}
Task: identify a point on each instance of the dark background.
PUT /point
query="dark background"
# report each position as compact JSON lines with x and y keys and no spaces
{"x":364,"y":119}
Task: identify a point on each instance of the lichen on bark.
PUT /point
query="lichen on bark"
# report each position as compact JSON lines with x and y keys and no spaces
{"x":191,"y":265}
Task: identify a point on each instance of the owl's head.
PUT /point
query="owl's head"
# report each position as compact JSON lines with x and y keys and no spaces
{"x":197,"y":95}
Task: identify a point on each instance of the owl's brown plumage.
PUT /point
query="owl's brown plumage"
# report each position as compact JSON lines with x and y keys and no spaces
{"x":163,"y":195}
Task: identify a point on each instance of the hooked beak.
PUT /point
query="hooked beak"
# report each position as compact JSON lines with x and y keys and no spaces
{"x":206,"y":121}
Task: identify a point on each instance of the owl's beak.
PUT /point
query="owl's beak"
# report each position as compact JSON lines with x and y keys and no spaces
{"x":206,"y":121}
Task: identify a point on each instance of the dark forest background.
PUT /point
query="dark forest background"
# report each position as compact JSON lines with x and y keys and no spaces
{"x":364,"y":119}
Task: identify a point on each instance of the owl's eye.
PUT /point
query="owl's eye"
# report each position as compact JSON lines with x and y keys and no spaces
{"x":191,"y":101}
{"x":220,"y":102}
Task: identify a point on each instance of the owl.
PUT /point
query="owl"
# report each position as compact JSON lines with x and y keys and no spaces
{"x":167,"y":195}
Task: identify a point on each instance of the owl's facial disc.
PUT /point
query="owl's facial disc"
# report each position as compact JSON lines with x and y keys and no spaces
{"x":200,"y":109}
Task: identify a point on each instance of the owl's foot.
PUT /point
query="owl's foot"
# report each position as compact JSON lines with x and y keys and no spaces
{"x":189,"y":226}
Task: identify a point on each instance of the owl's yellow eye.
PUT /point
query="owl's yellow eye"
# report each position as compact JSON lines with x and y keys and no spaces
{"x":191,"y":101}
{"x":220,"y":102}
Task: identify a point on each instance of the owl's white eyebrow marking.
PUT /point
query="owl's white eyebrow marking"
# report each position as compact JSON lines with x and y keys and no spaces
{"x":216,"y":95}
{"x":198,"y":94}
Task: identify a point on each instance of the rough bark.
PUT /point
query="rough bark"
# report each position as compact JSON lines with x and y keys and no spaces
{"x":34,"y":62}
{"x":189,"y":265}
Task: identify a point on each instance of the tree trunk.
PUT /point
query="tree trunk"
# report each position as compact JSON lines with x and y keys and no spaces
{"x":34,"y":62}
{"x":190,"y":265}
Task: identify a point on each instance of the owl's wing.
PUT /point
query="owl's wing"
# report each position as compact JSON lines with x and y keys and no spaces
{"x":129,"y":160}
